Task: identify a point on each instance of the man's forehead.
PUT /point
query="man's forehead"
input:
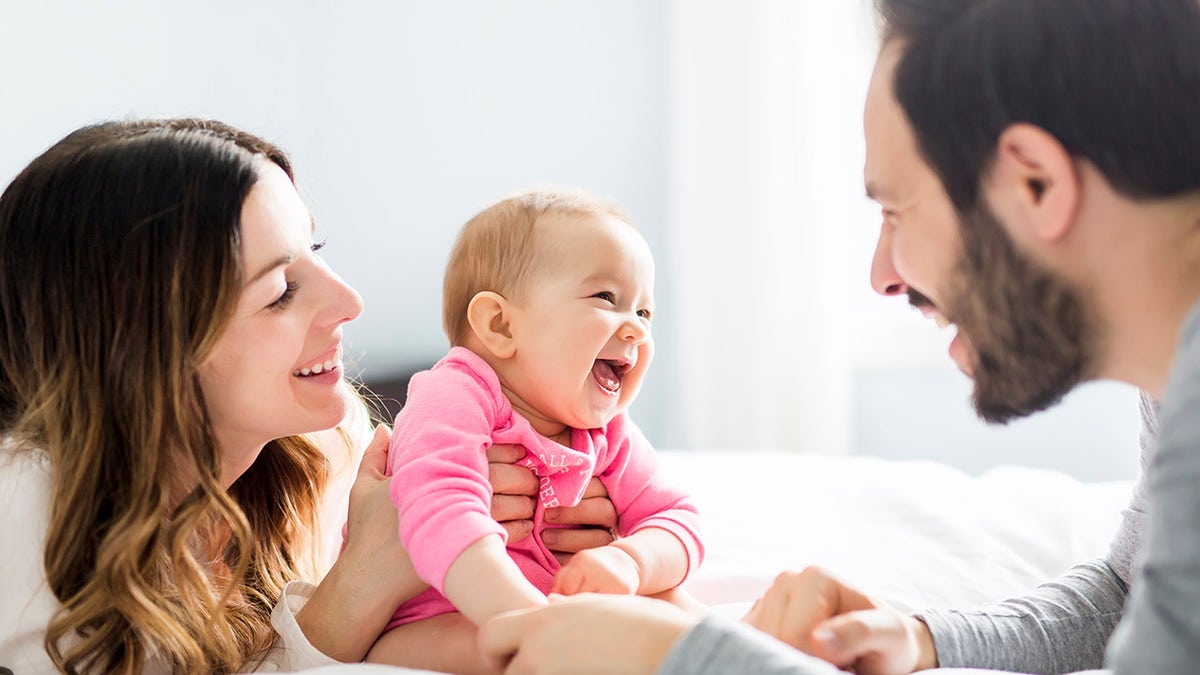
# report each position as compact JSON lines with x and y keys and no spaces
{"x":890,"y":146}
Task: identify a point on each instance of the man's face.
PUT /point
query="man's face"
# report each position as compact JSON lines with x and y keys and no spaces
{"x":1023,"y":332}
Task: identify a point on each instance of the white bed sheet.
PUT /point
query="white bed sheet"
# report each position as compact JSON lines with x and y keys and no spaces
{"x":918,"y":534}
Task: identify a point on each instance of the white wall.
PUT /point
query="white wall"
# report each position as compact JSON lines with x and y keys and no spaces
{"x":405,"y":117}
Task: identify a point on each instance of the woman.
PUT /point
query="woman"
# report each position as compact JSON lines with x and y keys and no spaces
{"x":177,"y":441}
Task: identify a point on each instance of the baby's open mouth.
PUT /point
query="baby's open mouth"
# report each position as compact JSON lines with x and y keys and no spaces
{"x":608,"y":374}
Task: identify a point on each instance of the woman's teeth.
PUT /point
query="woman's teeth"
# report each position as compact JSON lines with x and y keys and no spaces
{"x":318,"y":368}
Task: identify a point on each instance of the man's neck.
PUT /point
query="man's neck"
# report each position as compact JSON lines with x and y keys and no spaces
{"x":1145,"y":281}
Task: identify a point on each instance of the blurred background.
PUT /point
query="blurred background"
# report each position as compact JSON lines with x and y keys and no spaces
{"x":730,"y":129}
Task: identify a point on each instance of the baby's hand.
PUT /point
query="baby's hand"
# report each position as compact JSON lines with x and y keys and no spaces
{"x":606,"y":569}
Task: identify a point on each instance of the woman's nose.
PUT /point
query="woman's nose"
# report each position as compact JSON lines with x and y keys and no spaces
{"x":342,"y":303}
{"x":884,"y":278}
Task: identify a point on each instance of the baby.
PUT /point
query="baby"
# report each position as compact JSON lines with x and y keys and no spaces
{"x":547,"y":302}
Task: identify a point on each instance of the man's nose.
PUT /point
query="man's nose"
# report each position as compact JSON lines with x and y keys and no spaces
{"x":884,"y":278}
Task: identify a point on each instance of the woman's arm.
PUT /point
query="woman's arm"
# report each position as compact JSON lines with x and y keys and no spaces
{"x":371,"y":578}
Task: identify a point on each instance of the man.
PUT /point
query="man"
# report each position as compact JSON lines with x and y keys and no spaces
{"x":1037,"y":163}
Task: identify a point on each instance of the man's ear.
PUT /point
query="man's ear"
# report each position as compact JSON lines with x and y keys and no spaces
{"x":1033,"y":184}
{"x":490,"y":315}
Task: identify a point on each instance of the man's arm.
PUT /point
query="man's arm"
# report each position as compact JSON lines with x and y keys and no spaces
{"x":1161,"y":630}
{"x":1062,"y":626}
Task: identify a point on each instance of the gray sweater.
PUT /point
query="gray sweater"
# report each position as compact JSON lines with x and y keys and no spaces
{"x":1062,"y":626}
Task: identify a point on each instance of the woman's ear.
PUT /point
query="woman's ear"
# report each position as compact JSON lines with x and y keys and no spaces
{"x":490,"y":316}
{"x":1033,"y":185}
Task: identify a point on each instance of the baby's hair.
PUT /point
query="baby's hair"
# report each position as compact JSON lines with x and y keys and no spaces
{"x":496,"y":250}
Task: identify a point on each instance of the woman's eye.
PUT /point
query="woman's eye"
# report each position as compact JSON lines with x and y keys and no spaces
{"x":606,"y":296}
{"x":286,"y":298}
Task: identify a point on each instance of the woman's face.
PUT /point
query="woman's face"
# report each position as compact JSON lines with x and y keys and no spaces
{"x":277,"y":369}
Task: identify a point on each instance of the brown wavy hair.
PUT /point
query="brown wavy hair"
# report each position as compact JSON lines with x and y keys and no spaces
{"x":119,"y":269}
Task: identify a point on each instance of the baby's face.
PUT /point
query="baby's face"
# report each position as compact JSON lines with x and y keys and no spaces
{"x":582,"y":327}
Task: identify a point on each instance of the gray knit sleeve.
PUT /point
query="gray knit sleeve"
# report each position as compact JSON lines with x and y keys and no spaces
{"x":1062,"y":626}
{"x":720,"y":646}
{"x":1161,"y":629}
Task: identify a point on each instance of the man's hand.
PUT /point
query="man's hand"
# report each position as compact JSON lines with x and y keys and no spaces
{"x":818,"y":614}
{"x":626,"y":633}
{"x":514,"y":488}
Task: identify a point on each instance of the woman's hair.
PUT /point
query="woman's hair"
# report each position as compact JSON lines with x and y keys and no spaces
{"x":497,"y":249}
{"x":119,"y":270}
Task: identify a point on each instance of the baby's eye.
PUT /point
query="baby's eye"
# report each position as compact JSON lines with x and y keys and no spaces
{"x":606,"y":296}
{"x":317,"y":246}
{"x":644,"y":313}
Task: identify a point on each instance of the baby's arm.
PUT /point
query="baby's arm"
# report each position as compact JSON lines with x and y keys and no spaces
{"x":505,"y":588}
{"x":646,"y":562}
{"x":661,"y":543}
{"x":440,"y":487}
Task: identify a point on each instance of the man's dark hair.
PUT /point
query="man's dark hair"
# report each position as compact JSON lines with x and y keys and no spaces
{"x":1116,"y":81}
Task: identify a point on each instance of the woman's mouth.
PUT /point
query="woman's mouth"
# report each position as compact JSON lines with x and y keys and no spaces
{"x":325,"y":363}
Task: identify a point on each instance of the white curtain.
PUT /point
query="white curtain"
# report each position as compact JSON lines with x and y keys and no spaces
{"x":765,"y":210}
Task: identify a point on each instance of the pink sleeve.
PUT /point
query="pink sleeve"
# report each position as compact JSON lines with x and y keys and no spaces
{"x":641,"y":497}
{"x":439,"y":468}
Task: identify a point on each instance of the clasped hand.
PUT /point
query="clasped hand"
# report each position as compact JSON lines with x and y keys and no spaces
{"x":818,"y":614}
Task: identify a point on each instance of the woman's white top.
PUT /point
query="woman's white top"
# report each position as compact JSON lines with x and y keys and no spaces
{"x":27,"y":603}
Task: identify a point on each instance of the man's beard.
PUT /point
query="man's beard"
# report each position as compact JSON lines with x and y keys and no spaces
{"x":1031,"y":336}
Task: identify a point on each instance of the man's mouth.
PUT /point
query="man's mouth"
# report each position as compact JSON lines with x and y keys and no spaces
{"x":928,"y":308}
{"x":330,"y":360}
{"x":608,"y":373}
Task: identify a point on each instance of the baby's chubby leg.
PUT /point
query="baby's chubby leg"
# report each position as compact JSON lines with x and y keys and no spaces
{"x":445,"y":643}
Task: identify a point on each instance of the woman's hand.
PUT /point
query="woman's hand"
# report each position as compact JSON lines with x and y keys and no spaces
{"x":627,"y":633}
{"x":818,"y":614}
{"x":372,"y":576}
{"x":514,"y":489}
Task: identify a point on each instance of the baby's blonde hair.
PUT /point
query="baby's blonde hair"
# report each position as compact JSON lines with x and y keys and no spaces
{"x":497,"y":249}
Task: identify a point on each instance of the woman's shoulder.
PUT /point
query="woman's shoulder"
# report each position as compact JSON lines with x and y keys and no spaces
{"x":24,"y":492}
{"x":24,"y":469}
{"x":26,"y":602}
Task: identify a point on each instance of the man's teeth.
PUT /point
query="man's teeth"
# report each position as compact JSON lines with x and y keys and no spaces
{"x":318,"y":368}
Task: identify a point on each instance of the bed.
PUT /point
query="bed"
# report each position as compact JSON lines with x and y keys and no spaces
{"x":917,"y":534}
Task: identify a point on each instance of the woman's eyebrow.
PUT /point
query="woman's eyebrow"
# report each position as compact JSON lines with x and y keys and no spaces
{"x":280,"y":262}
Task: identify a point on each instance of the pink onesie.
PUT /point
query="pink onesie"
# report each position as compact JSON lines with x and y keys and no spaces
{"x":438,"y":461}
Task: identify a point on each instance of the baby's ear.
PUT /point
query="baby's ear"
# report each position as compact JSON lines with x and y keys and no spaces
{"x":489,"y":315}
